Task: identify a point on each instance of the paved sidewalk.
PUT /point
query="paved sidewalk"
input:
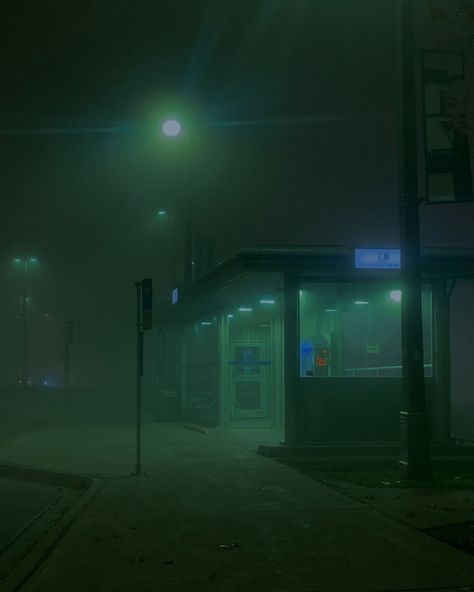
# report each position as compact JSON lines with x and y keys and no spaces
{"x":212,"y":515}
{"x":20,"y":503}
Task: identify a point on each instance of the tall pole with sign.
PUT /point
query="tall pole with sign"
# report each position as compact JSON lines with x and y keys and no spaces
{"x":414,"y":426}
{"x":144,"y":323}
{"x":68,"y":341}
{"x":24,"y":328}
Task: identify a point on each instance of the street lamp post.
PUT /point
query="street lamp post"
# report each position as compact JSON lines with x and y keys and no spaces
{"x":24,"y":261}
{"x":172,"y":128}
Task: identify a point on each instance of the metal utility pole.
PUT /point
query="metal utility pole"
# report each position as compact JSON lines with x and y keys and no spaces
{"x":24,"y":328}
{"x":188,"y":220}
{"x":414,"y":423}
{"x":138,"y":286}
{"x":144,"y":323}
{"x":68,"y":341}
{"x":188,"y":242}
{"x":173,"y":129}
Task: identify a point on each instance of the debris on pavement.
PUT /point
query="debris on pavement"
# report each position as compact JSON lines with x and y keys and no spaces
{"x":229,"y":546}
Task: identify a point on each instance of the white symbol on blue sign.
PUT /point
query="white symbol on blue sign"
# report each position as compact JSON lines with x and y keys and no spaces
{"x":377,"y":258}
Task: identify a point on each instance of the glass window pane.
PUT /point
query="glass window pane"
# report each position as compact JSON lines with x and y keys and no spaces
{"x":247,"y":360}
{"x":354,"y":330}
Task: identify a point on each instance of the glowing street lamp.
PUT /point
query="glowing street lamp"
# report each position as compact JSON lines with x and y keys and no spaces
{"x":171,"y":128}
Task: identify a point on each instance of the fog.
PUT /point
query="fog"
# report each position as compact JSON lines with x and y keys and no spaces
{"x":285,"y":148}
{"x":291,"y":122}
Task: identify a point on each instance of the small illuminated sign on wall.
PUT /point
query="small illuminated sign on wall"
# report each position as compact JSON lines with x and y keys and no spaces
{"x":377,"y":258}
{"x":174,"y":296}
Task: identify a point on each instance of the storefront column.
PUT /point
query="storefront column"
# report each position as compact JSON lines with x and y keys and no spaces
{"x":291,"y":358}
{"x":441,"y":403}
{"x":184,"y":374}
{"x":223,"y":373}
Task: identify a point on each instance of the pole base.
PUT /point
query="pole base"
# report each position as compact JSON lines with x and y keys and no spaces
{"x":415,"y":472}
{"x":415,"y":446}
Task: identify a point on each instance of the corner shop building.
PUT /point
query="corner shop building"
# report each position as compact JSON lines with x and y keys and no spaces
{"x":307,"y":341}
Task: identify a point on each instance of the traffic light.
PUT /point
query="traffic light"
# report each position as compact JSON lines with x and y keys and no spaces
{"x":147,"y":304}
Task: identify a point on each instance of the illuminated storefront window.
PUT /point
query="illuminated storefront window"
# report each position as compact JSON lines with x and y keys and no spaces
{"x":353,"y":330}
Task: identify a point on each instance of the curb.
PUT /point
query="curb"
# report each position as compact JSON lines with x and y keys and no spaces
{"x":326,"y":451}
{"x":29,"y":565}
{"x":26,"y":473}
{"x":195,"y":427}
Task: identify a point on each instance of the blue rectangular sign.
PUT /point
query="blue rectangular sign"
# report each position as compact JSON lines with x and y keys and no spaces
{"x":174,"y":296}
{"x":377,"y":258}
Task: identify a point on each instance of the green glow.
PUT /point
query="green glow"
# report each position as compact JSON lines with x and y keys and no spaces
{"x":360,"y":302}
{"x":267,"y":301}
{"x":171,"y":128}
{"x":162,"y":213}
{"x":245,"y":309}
{"x":230,"y":316}
{"x":396,"y":295}
{"x":206,"y":323}
{"x":330,"y":310}
{"x":25,"y":260}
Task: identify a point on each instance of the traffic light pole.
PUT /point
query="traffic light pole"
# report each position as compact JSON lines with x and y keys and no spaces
{"x":139,"y":325}
{"x":144,"y":323}
{"x":414,"y":425}
{"x":188,"y":242}
{"x":68,"y":341}
{"x":66,"y":364}
{"x":188,"y":224}
{"x":24,"y":328}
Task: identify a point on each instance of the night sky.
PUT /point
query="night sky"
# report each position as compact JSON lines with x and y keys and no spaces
{"x":291,"y":110}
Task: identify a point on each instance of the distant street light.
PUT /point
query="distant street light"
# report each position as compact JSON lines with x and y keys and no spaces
{"x":26,"y":262}
{"x":396,"y":295}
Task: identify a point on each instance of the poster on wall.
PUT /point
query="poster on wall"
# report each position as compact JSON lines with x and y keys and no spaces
{"x":448,"y":153}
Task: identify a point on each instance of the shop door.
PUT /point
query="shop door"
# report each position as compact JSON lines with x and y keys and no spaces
{"x":249,"y":373}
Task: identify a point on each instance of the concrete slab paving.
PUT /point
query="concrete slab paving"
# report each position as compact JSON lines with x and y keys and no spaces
{"x":420,"y":508}
{"x":210,"y":514}
{"x":33,"y":507}
{"x":20,"y":503}
{"x":185,"y":539}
